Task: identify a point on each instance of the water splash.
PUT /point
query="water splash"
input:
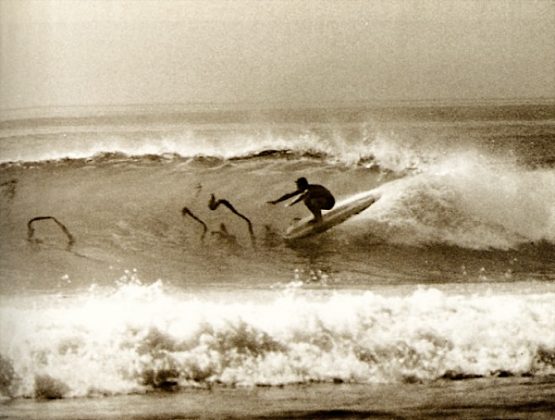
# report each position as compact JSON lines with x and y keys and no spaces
{"x":468,"y":201}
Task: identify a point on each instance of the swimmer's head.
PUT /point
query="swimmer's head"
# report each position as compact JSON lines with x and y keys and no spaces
{"x":302,"y":183}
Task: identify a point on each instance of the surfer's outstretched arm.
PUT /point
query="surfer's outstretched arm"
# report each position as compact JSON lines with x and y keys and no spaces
{"x":299,"y":199}
{"x":285,"y":197}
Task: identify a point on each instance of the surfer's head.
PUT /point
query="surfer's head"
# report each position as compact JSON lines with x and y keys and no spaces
{"x":302,"y":183}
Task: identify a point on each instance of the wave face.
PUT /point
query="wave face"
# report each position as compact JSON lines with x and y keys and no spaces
{"x":138,"y":338}
{"x":448,"y":275}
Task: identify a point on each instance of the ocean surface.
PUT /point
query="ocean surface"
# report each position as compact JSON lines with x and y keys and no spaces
{"x":124,"y":295}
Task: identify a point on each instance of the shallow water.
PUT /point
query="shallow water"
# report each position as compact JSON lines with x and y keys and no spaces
{"x":470,"y":399}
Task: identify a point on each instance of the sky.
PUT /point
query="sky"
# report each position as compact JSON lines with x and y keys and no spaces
{"x":116,"y":52}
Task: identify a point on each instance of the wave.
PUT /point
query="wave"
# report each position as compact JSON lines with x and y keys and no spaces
{"x":120,"y":157}
{"x":446,"y":192}
{"x":219,"y":144}
{"x":140,"y":337}
{"x":395,"y":146}
{"x":467,"y":202}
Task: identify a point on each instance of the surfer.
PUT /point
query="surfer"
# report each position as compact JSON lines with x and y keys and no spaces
{"x":315,"y":197}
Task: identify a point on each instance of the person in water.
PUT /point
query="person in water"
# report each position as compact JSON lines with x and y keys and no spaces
{"x":315,"y":197}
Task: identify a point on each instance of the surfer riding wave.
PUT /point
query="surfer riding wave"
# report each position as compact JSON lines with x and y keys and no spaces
{"x":315,"y":197}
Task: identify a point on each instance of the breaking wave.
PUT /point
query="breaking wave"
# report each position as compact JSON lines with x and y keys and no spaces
{"x":138,"y":337}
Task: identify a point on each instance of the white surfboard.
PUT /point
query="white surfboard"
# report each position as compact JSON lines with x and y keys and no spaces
{"x":341,"y":212}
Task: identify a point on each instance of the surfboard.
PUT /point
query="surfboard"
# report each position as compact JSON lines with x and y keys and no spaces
{"x":340,"y":213}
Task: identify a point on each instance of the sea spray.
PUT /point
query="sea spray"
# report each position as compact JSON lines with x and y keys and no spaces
{"x":469,"y":201}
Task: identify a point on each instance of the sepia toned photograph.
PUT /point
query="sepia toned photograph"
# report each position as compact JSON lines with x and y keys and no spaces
{"x":288,"y":209}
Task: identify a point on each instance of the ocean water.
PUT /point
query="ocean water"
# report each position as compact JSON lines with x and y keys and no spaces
{"x":439,"y":299}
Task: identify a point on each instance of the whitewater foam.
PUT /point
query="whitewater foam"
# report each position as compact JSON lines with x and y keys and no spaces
{"x":468,"y":201}
{"x":139,"y":337}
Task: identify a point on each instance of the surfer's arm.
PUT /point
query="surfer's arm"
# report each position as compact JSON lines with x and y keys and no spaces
{"x":301,"y":198}
{"x":285,"y":197}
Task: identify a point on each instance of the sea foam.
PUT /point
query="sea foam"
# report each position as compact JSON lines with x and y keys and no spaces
{"x":138,"y":337}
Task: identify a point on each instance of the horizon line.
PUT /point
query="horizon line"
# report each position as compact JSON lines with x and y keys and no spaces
{"x":276,"y":105}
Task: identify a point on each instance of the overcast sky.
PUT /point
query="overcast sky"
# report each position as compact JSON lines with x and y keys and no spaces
{"x":123,"y":52}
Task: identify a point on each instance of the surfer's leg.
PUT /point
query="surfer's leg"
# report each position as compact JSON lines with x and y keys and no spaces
{"x":317,"y":217}
{"x":315,"y":205}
